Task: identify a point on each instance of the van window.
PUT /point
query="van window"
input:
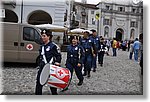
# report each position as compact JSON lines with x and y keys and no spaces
{"x":28,"y":34}
{"x":31,"y":34}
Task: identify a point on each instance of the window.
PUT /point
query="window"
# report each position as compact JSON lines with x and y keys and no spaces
{"x":92,"y":12}
{"x":134,"y":10}
{"x":132,"y":34}
{"x":134,"y":24}
{"x":107,"y":7}
{"x":106,"y":22}
{"x":30,"y":34}
{"x":121,"y":9}
{"x":93,"y":21}
{"x":106,"y":32}
{"x":83,"y":19}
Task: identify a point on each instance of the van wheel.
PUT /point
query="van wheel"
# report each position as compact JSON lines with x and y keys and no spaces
{"x":38,"y":61}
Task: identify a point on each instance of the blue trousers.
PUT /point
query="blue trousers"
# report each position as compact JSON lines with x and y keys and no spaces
{"x":39,"y":87}
{"x":130,"y":56}
{"x":94,"y":62}
{"x":136,"y":52}
{"x":78,"y":70}
{"x":88,"y":62}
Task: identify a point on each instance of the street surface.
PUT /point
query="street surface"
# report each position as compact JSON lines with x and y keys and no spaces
{"x":118,"y":76}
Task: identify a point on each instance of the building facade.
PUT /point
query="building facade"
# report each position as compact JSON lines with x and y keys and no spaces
{"x":122,"y":19}
{"x":35,"y":12}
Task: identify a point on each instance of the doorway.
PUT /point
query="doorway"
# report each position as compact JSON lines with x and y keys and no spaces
{"x":119,"y":34}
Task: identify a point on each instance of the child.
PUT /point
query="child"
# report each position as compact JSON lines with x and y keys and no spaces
{"x":131,"y":50}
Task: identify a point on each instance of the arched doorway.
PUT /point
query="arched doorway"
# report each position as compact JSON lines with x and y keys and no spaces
{"x":39,"y":17}
{"x":119,"y":34}
{"x":10,"y":16}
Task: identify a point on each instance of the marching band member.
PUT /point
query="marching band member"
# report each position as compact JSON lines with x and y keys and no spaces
{"x":96,"y":40}
{"x":90,"y":50}
{"x":102,"y":50}
{"x":51,"y":51}
{"x":75,"y":54}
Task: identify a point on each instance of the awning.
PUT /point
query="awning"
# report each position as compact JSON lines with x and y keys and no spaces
{"x":53,"y":28}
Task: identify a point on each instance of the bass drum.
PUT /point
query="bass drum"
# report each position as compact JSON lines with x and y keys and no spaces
{"x":55,"y":76}
{"x":59,"y":77}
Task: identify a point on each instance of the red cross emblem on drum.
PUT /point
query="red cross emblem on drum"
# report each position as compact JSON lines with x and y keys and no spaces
{"x":29,"y":47}
{"x":60,"y":73}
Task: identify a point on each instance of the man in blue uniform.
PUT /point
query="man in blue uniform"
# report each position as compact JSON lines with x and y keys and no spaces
{"x":90,"y":50}
{"x":51,"y":50}
{"x":97,"y":44}
{"x":75,"y":55}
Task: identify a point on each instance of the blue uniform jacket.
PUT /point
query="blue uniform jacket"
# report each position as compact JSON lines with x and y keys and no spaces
{"x":51,"y":50}
{"x":96,"y":41}
{"x":75,"y":54}
{"x":88,"y":45}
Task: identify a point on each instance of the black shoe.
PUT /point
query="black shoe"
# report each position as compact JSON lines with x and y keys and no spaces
{"x":80,"y":83}
{"x":64,"y":89}
{"x":101,"y":65}
{"x":84,"y":74}
{"x":88,"y":75}
{"x":94,"y":70}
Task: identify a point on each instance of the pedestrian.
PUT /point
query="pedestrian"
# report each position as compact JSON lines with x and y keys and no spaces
{"x":51,"y":50}
{"x":129,"y":42}
{"x":90,"y":50}
{"x":136,"y":47}
{"x":131,"y":50}
{"x":97,"y":44}
{"x":141,"y":48}
{"x":114,"y":47}
{"x":75,"y":55}
{"x":124,"y":46}
{"x":102,"y":49}
{"x":108,"y":44}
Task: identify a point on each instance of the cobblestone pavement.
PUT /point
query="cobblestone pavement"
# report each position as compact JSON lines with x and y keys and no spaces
{"x":118,"y":76}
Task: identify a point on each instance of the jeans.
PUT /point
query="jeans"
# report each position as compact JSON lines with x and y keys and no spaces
{"x":114,"y":52}
{"x":136,"y":52}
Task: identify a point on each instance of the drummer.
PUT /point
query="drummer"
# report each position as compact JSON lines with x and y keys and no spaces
{"x":51,"y":51}
{"x":75,"y":54}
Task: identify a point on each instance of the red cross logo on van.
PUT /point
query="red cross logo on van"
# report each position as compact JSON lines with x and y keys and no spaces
{"x":29,"y":47}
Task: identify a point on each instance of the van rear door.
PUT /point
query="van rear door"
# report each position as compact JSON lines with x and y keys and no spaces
{"x":29,"y":49}
{"x":10,"y":42}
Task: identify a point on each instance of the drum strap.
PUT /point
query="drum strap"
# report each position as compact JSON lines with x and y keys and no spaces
{"x":44,"y":57}
{"x":43,"y":54}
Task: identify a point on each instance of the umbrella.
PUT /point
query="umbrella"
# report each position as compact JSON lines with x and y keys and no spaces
{"x":54,"y":28}
{"x":79,"y":31}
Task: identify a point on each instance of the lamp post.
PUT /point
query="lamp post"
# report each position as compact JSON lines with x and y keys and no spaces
{"x":21,"y":10}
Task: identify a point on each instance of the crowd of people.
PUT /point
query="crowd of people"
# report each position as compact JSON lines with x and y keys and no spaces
{"x":83,"y":54}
